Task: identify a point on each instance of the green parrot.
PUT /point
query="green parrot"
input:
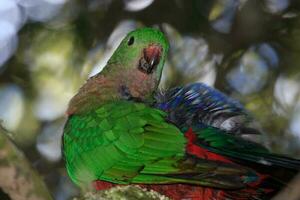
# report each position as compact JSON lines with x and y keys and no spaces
{"x":186,"y":143}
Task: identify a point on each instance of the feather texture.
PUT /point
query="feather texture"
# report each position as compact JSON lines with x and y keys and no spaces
{"x":202,"y":105}
{"x":125,"y":142}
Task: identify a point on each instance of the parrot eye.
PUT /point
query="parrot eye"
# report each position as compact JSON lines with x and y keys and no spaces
{"x":130,"y":41}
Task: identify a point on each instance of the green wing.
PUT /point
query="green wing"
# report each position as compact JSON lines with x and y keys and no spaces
{"x":126,"y":142}
{"x":238,"y":149}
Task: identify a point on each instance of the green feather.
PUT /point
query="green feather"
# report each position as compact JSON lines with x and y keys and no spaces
{"x":139,"y":147}
{"x":111,"y":142}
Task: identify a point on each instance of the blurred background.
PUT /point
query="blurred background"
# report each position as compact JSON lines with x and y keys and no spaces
{"x":249,"y":49}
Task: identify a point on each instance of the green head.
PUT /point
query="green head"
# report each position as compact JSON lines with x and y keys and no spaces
{"x":143,"y":49}
{"x":138,"y":61}
{"x":133,"y":71}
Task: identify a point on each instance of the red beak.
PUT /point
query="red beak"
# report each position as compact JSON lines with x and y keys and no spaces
{"x":152,"y":54}
{"x":151,"y":58}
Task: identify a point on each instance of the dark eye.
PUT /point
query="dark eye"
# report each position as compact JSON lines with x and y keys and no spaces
{"x":130,"y":41}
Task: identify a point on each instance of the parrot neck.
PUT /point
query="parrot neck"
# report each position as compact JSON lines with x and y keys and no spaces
{"x":106,"y":87}
{"x":96,"y":91}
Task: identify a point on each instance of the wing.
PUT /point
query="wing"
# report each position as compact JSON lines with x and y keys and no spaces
{"x":239,"y":150}
{"x":200,"y":104}
{"x":125,"y":142}
{"x":219,"y":124}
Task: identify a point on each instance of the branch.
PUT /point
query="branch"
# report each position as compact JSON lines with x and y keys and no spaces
{"x":18,"y":179}
{"x":129,"y":192}
{"x":291,"y":191}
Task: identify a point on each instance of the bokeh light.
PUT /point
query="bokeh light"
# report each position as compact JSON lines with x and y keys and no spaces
{"x":49,"y":141}
{"x":276,"y":6}
{"x":11,"y":106}
{"x":136,"y":5}
{"x":8,"y":41}
{"x":253,"y":68}
{"x":222,"y":15}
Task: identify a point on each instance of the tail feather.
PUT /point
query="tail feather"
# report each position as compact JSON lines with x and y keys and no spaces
{"x":282,"y":169}
{"x":274,"y":171}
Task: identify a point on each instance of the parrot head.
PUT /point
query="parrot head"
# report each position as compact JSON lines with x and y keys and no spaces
{"x":138,"y":62}
{"x":133,"y":72}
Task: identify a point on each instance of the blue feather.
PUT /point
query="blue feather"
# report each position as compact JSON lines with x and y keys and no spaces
{"x":199,"y":104}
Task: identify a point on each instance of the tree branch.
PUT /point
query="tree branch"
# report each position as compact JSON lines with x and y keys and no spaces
{"x":18,"y":179}
{"x":291,"y":191}
{"x":129,"y":192}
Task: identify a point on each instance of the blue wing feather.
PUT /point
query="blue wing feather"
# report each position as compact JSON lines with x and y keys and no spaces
{"x":201,"y":105}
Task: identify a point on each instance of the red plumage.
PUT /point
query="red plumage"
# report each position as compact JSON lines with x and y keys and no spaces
{"x":195,"y":150}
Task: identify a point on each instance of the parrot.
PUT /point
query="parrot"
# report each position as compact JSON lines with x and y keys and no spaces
{"x":188,"y":142}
